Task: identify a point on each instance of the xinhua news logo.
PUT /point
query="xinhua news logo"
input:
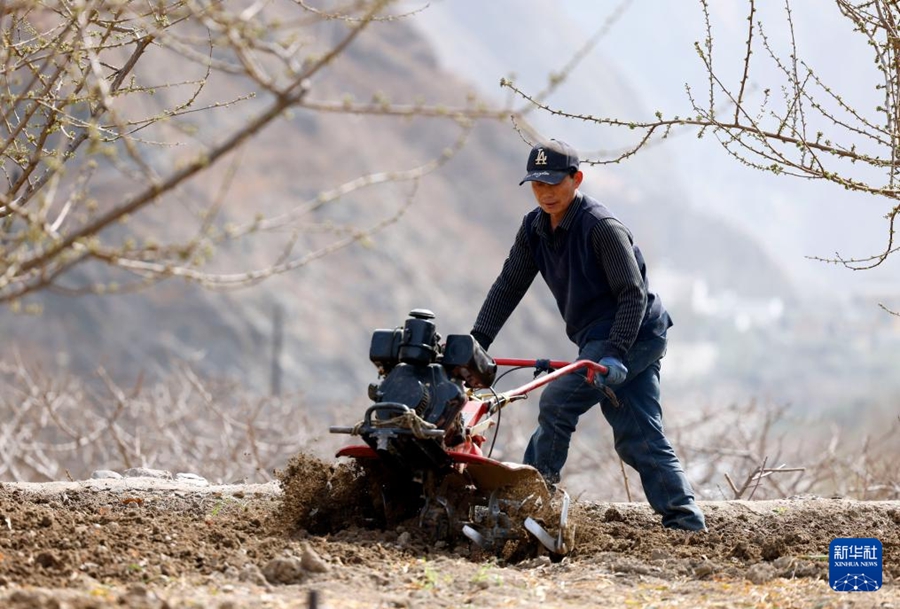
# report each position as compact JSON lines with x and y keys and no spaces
{"x":855,"y":565}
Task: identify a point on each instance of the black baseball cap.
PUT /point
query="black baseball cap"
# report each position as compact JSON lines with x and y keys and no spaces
{"x":550,"y":162}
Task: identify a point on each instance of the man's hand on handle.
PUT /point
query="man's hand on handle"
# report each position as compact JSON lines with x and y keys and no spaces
{"x":615,"y":371}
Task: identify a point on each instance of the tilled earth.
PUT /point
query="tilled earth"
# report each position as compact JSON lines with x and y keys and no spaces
{"x":304,"y":542}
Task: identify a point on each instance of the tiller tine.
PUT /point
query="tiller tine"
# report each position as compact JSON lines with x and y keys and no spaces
{"x":495,"y":527}
{"x":477,"y":537}
{"x":558,"y":546}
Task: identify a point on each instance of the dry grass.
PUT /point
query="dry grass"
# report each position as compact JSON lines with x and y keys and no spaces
{"x":758,"y":451}
{"x":55,"y":426}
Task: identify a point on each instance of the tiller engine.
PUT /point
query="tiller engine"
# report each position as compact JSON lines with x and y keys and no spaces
{"x":425,"y":432}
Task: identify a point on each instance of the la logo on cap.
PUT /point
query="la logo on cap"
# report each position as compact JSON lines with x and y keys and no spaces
{"x":541,"y":158}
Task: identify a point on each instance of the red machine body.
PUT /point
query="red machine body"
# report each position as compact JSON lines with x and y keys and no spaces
{"x":427,"y":430}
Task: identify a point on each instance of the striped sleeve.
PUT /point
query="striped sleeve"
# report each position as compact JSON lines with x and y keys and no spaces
{"x":519,"y":271}
{"x":615,"y":254}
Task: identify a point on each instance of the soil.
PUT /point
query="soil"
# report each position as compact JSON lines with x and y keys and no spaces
{"x":308,"y":540}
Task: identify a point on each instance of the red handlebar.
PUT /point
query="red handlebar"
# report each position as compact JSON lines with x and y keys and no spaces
{"x":561,"y":369}
{"x":553,"y":363}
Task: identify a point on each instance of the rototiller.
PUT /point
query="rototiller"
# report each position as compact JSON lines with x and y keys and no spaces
{"x":425,"y":434}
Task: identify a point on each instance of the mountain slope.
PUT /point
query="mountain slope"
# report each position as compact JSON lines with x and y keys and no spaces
{"x":443,"y":254}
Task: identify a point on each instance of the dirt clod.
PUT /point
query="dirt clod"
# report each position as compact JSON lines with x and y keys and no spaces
{"x":284,"y":570}
{"x":613,"y":515}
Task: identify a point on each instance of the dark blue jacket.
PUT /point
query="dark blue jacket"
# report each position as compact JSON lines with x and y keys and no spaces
{"x":568,"y":261}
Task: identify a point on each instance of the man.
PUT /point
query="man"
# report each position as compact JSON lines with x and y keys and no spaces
{"x":599,"y":279}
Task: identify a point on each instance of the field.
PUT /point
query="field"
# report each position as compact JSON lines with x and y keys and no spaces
{"x":145,"y":542}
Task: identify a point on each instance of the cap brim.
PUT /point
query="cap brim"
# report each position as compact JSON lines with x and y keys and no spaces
{"x":547,"y":177}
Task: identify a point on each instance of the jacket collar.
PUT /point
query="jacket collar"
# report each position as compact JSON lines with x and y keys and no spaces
{"x":542,"y":220}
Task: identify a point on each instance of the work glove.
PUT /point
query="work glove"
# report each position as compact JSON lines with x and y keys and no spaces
{"x":616,"y":371}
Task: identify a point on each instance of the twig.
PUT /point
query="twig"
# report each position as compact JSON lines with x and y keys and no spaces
{"x":734,"y":489}
{"x":759,"y":477}
{"x":625,"y":479}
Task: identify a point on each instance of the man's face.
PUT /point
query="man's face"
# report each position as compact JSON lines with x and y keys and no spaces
{"x":555,"y":199}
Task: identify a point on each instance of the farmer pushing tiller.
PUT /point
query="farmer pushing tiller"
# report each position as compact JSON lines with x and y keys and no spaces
{"x":425,"y":423}
{"x":597,"y":274}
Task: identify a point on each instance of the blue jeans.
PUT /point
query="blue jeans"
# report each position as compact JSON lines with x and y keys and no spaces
{"x":637,"y":430}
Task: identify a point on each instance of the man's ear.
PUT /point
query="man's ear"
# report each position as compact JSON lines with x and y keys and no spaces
{"x":578,"y":177}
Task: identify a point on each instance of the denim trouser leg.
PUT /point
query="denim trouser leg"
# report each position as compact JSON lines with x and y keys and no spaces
{"x":637,"y":431}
